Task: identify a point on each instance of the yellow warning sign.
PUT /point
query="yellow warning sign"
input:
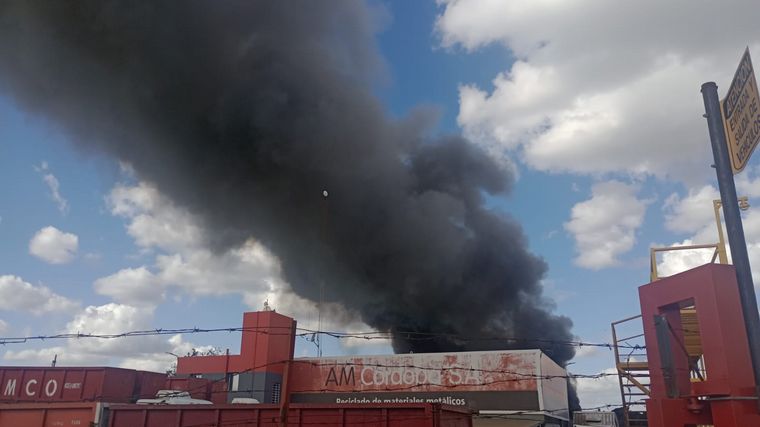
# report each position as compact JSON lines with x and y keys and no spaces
{"x":741,"y":114}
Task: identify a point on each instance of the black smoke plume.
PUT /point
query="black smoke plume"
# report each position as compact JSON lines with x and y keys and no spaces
{"x":245,"y":111}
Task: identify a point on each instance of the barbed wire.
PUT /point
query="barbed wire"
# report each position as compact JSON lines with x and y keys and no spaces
{"x":305,"y":333}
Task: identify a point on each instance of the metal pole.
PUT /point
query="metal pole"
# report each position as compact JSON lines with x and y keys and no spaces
{"x":734,"y":228}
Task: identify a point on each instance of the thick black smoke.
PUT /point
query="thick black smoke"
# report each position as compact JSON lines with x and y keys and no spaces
{"x":244,"y":112}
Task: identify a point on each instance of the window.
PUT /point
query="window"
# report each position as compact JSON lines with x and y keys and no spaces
{"x":276,"y":393}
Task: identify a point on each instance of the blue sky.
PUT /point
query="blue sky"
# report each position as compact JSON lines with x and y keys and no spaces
{"x":604,"y":134}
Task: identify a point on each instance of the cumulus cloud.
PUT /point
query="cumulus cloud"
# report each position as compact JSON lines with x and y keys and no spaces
{"x":604,"y":96}
{"x":151,"y":353}
{"x":693,"y":214}
{"x":595,"y":392}
{"x":54,"y":246}
{"x":183,"y":263}
{"x":678,"y":261}
{"x":145,"y":352}
{"x":154,"y":221}
{"x":114,"y":318}
{"x":44,"y":356}
{"x":673,"y":262}
{"x":604,"y":227}
{"x":17,"y":294}
{"x":54,"y":186}
{"x":131,"y":286}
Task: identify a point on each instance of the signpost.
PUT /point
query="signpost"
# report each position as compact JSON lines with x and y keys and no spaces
{"x":741,"y":114}
{"x":738,"y":116}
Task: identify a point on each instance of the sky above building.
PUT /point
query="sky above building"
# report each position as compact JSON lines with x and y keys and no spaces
{"x":595,"y":106}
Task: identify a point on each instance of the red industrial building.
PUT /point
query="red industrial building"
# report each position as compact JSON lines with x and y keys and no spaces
{"x":507,"y":388}
{"x":524,"y":383}
{"x":266,"y":348}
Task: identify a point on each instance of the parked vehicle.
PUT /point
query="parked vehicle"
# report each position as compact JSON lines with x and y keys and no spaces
{"x":173,"y":397}
{"x":595,"y":418}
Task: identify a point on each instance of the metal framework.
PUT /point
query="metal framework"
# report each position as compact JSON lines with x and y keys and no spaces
{"x":632,"y":368}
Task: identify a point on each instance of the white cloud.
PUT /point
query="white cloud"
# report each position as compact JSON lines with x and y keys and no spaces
{"x":154,"y":221}
{"x":54,"y":186}
{"x":693,"y":212}
{"x":604,"y":226}
{"x":131,"y":286}
{"x":16,"y":294}
{"x":586,"y":351}
{"x":105,"y":319}
{"x":114,"y":318}
{"x":144,"y":352}
{"x":44,"y":356}
{"x":748,"y":182}
{"x":604,"y":96}
{"x":599,"y":391}
{"x":184,"y":264}
{"x":673,"y":262}
{"x":54,"y":246}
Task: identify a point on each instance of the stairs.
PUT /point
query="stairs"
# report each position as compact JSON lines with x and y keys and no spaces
{"x":632,"y":369}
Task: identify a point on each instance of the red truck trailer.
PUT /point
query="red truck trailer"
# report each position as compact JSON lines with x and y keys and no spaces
{"x":92,"y":414}
{"x":299,"y":415}
{"x":84,"y":414}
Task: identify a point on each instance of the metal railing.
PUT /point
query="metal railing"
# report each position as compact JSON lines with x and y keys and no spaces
{"x":717,"y":255}
{"x":632,"y":366}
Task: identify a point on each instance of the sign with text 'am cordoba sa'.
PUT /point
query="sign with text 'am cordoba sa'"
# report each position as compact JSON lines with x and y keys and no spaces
{"x":741,"y":114}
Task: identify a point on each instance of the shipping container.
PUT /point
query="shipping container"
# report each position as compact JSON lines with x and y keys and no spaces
{"x":77,"y":384}
{"x":299,"y":415}
{"x":84,"y":414}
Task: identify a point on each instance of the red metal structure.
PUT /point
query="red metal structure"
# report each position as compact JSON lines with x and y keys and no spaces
{"x":700,"y":372}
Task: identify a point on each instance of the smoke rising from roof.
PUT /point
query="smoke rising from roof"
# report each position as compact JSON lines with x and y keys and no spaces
{"x":245,"y":112}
